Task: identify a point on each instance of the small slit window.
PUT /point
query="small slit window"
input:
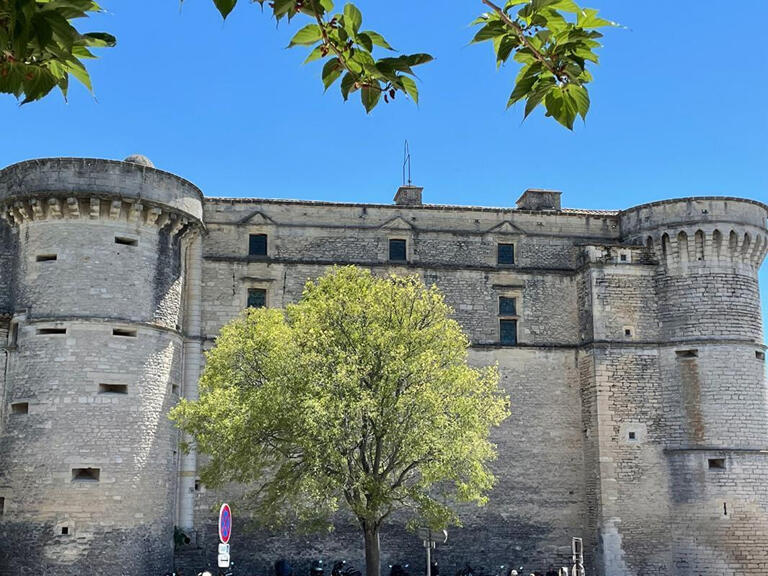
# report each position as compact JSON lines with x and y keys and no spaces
{"x":20,"y":408}
{"x":632,"y":436}
{"x":627,"y":332}
{"x":175,"y":389}
{"x":46,"y":257}
{"x":13,"y":335}
{"x":257,"y":298}
{"x":86,"y":474}
{"x":506,"y":254}
{"x":760,"y":356}
{"x":2,"y":506}
{"x":125,"y":241}
{"x":687,"y":353}
{"x":257,"y":245}
{"x":124,"y":332}
{"x":716,"y":463}
{"x":113,"y":389}
{"x":65,"y":530}
{"x":397,"y":250}
{"x":51,"y":331}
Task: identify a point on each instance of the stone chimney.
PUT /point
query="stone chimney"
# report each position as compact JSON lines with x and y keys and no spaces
{"x":535,"y":199}
{"x":408,"y":195}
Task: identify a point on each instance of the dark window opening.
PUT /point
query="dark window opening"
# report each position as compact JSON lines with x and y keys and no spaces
{"x":20,"y":408}
{"x":257,"y":245}
{"x":257,"y":298}
{"x":507,"y":306}
{"x":760,"y":356}
{"x":198,"y":485}
{"x":633,"y":435}
{"x":126,"y":241}
{"x":113,"y":389}
{"x":716,"y":463}
{"x":65,"y":530}
{"x":687,"y":353}
{"x":623,"y":257}
{"x":126,"y":332}
{"x":627,"y":331}
{"x":44,"y":331}
{"x":86,"y":474}
{"x":175,"y":389}
{"x":725,"y":509}
{"x":2,"y":506}
{"x":46,"y":257}
{"x":397,"y":250}
{"x":508,"y":332}
{"x":506,"y":254}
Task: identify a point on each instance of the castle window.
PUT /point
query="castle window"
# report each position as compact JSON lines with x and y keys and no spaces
{"x":257,"y":298}
{"x":124,"y":332}
{"x":2,"y":506}
{"x":760,"y":356}
{"x":86,"y":474}
{"x":126,"y":241}
{"x":46,"y":257}
{"x":51,"y":331}
{"x":508,"y":321}
{"x":65,"y":530}
{"x":397,"y":250}
{"x":716,"y":463}
{"x":175,"y":389}
{"x":632,"y":436}
{"x":628,"y":331}
{"x":113,"y":389}
{"x":257,"y":245}
{"x":687,"y":353}
{"x":506,"y":254}
{"x":20,"y":408}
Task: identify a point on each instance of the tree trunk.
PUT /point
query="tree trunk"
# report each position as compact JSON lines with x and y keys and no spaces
{"x":372,"y":561}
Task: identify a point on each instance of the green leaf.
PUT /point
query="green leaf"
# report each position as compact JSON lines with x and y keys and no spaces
{"x":353,"y":19}
{"x":331,"y":72}
{"x":365,"y":41}
{"x":409,"y":85}
{"x":489,"y":31}
{"x":306,"y":36}
{"x":347,"y":85}
{"x":377,"y":39}
{"x":522,"y":89}
{"x":561,"y":106}
{"x":225,"y":7}
{"x":369,"y":97}
{"x":538,"y":93}
{"x":418,"y":59}
{"x":580,"y":96}
{"x":315,"y":54}
{"x":588,"y":18}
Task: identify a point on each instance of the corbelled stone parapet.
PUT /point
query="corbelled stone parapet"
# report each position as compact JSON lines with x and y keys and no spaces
{"x":62,"y":179}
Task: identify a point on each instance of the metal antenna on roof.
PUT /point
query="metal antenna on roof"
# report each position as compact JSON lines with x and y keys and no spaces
{"x":407,"y":164}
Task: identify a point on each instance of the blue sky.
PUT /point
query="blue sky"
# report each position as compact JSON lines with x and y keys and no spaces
{"x":678,"y":109}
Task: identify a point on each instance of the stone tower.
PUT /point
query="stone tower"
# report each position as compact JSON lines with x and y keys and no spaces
{"x":92,"y":287}
{"x":674,"y":391}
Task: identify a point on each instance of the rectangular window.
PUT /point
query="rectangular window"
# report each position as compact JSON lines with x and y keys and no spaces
{"x":86,"y":474}
{"x":760,"y":356}
{"x":687,"y":353}
{"x":51,"y":331}
{"x":126,"y":241}
{"x":508,"y":332}
{"x":46,"y":257}
{"x":257,"y":245}
{"x":257,"y":298}
{"x":125,"y":332}
{"x":397,"y":250}
{"x":716,"y":463}
{"x":506,"y":254}
{"x":507,"y":306}
{"x":20,"y":408}
{"x":13,"y":335}
{"x":113,"y":389}
{"x":2,"y":505}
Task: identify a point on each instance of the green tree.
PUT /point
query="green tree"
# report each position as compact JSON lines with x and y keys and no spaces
{"x":40,"y":47}
{"x":552,"y":40}
{"x":359,"y":396}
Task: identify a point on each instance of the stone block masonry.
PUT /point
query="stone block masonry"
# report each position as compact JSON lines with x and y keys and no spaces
{"x":638,"y":381}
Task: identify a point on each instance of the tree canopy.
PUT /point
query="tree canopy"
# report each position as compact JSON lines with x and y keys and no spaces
{"x":358,"y":397}
{"x":552,"y":40}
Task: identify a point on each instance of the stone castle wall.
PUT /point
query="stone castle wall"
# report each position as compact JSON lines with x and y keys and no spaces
{"x":638,"y":364}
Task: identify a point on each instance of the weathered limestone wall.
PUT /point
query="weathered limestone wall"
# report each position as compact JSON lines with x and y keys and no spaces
{"x":96,"y":367}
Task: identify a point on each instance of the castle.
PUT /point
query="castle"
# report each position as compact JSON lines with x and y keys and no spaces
{"x":630,"y":343}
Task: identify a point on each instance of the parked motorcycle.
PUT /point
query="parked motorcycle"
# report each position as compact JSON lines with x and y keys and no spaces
{"x":340,"y":568}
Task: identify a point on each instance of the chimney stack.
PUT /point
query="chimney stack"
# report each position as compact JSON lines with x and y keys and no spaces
{"x":408,"y":195}
{"x":536,"y":199}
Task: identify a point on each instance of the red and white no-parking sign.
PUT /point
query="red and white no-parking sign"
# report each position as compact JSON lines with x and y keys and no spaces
{"x":225,"y":523}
